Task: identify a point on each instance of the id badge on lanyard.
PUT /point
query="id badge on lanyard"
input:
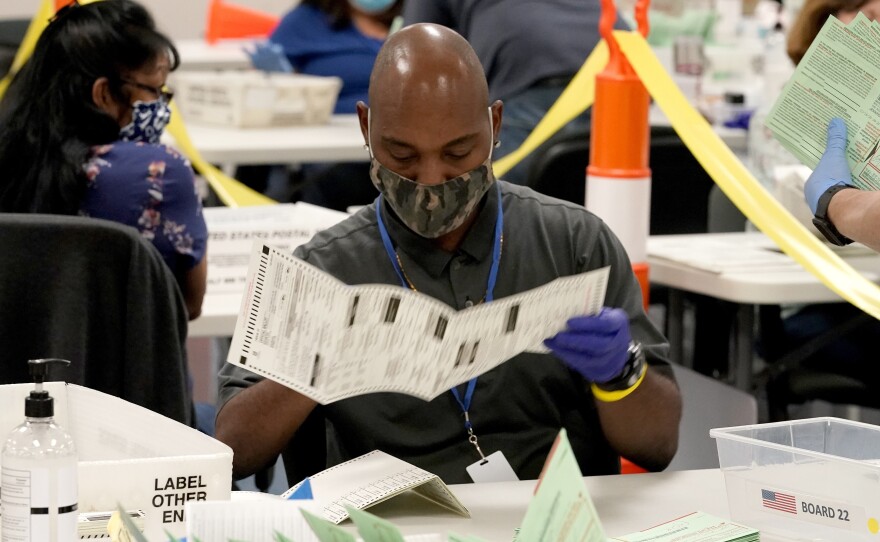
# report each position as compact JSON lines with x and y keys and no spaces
{"x":491,"y":468}
{"x":494,"y":467}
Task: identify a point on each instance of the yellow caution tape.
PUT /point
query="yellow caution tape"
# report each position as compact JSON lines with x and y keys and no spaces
{"x":577,"y":97}
{"x":715,"y":157}
{"x":741,"y":187}
{"x":230,"y":191}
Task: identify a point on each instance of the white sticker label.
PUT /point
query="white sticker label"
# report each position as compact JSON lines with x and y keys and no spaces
{"x":495,"y":468}
{"x":804,"y":507}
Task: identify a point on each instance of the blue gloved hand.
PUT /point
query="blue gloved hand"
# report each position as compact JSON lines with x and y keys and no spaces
{"x":832,"y":169}
{"x":269,"y":57}
{"x":594,"y":346}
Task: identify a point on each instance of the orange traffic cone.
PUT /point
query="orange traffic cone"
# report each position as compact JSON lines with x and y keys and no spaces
{"x":618,"y":176}
{"x":232,"y":21}
{"x":628,"y":467}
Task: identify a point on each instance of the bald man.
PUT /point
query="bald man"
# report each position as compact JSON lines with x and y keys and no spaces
{"x":445,"y":227}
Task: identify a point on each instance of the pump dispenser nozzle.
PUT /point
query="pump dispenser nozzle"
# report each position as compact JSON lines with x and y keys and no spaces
{"x":39,"y":470}
{"x":40,"y":404}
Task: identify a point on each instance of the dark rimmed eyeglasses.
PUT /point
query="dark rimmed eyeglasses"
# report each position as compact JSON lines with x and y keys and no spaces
{"x":164,"y":94}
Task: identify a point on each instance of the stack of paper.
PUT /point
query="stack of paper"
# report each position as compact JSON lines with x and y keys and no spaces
{"x":94,"y":524}
{"x":270,"y":520}
{"x":733,"y":253}
{"x":695,"y":527}
{"x":839,"y":76}
{"x":232,"y":231}
{"x":285,"y":521}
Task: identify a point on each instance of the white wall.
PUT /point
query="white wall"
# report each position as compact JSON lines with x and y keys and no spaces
{"x":180,"y":19}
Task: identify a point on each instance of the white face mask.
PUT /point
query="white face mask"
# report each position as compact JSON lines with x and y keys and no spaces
{"x":433,"y":210}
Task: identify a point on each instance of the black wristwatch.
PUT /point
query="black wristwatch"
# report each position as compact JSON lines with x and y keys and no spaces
{"x":632,"y":370}
{"x":820,"y":220}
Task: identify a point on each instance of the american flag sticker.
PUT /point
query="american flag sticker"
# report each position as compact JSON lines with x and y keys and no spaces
{"x":779,"y":501}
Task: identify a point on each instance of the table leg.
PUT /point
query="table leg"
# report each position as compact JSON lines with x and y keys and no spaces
{"x":675,"y":327}
{"x":742,"y":356}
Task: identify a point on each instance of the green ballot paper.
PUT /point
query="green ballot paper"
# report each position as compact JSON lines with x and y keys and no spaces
{"x":561,"y":510}
{"x":324,"y":530}
{"x":458,"y":538}
{"x":839,"y":76}
{"x":695,"y":527}
{"x":373,"y":528}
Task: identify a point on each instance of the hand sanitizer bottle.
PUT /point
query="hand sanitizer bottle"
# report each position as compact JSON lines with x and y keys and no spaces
{"x":38,"y":493}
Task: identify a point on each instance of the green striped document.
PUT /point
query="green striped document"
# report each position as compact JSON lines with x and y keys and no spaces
{"x":695,"y":527}
{"x":839,"y":76}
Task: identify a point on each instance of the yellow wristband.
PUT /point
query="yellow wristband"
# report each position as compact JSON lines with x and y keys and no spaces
{"x":612,"y":396}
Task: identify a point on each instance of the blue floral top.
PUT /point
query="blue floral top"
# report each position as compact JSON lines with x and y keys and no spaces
{"x":151,"y":188}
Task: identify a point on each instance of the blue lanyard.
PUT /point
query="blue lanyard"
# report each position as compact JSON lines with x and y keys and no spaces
{"x":490,"y":287}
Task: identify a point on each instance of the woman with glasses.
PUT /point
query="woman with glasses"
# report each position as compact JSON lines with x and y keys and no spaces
{"x":79,"y":134}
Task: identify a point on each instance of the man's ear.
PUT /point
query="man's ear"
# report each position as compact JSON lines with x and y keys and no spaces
{"x":363,"y":119}
{"x":103,"y":98}
{"x":497,"y":111}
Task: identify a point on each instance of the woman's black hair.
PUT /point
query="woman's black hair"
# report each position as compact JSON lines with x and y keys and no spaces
{"x":48,"y":119}
{"x":339,"y":11}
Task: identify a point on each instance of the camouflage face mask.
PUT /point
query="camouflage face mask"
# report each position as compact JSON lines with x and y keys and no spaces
{"x":433,"y":210}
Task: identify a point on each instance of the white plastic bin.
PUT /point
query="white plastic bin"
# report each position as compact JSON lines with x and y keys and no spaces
{"x":131,"y":456}
{"x":816,"y":479}
{"x":252,"y":99}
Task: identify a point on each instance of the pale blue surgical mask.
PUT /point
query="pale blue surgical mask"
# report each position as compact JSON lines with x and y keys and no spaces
{"x":371,"y":6}
{"x":148,"y":121}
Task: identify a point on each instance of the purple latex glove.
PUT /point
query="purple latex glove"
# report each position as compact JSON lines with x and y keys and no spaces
{"x":594,"y":346}
{"x":832,"y":168}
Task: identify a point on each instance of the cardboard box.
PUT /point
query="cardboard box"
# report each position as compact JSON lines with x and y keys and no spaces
{"x":130,"y":455}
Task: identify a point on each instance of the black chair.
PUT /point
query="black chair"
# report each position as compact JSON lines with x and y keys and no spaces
{"x":680,"y":185}
{"x":95,"y":293}
{"x":832,"y":365}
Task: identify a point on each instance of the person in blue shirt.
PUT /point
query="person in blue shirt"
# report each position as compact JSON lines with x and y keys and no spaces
{"x":339,"y":38}
{"x":79,"y":134}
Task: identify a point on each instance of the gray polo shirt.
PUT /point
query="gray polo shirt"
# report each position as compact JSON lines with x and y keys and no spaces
{"x":518,"y":407}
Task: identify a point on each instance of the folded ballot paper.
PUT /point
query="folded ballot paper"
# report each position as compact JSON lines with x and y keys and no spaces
{"x":370,"y":479}
{"x":695,"y":527}
{"x":329,"y":341}
{"x":311,"y":510}
{"x":839,"y":76}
